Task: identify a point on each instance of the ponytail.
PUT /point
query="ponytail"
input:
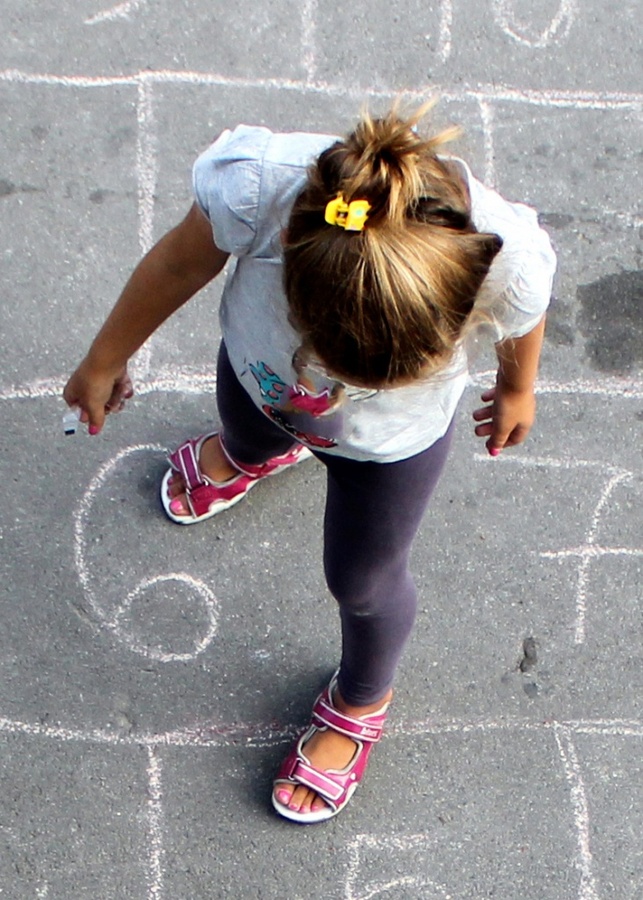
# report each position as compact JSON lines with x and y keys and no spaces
{"x":388,"y":302}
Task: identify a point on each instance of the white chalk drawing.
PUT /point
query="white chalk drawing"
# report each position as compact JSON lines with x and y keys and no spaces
{"x":503,"y":13}
{"x":146,"y":174}
{"x":197,"y":380}
{"x":193,"y":381}
{"x":308,"y":44}
{"x":355,"y":884}
{"x":156,"y":844}
{"x":556,"y":32}
{"x":486,"y":117}
{"x":119,"y":11}
{"x":492,"y":93}
{"x":146,"y":165}
{"x":118,"y":618}
{"x":445,"y":30}
{"x":360,"y":883}
{"x":580,"y":809}
{"x":590,"y":550}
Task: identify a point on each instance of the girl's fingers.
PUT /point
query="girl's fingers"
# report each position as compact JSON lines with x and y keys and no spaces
{"x":485,"y":412}
{"x":122,"y":391}
{"x":484,"y":430}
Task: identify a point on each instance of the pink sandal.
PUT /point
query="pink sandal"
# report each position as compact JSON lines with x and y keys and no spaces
{"x":334,"y":786}
{"x":206,"y":497}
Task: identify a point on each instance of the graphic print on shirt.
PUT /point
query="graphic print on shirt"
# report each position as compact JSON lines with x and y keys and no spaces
{"x":310,"y":415}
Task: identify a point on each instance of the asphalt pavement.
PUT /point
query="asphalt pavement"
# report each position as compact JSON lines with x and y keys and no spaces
{"x":152,"y":677}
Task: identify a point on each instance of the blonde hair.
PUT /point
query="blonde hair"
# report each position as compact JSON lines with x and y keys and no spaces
{"x":388,"y":303}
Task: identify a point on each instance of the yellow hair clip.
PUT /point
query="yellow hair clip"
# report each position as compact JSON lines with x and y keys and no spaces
{"x":349,"y":216}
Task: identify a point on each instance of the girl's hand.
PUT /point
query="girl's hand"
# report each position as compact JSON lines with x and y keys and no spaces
{"x":508,"y":417}
{"x":97,"y":393}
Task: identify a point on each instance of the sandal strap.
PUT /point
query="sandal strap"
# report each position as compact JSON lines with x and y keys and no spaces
{"x":335,"y":787}
{"x":320,"y":782}
{"x":185,"y":461}
{"x":368,"y":729}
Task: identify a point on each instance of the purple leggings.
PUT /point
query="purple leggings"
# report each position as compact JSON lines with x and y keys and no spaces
{"x":373,"y":511}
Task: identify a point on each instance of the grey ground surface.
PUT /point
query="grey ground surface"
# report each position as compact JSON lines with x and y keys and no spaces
{"x":151,"y":677}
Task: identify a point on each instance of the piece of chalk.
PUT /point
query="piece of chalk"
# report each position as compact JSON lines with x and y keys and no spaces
{"x":70,"y":420}
{"x":494,"y":451}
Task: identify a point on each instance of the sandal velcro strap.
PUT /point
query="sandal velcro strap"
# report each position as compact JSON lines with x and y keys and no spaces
{"x":199,"y":498}
{"x":335,"y":786}
{"x":317,"y":781}
{"x":186,"y":462}
{"x":362,"y":729}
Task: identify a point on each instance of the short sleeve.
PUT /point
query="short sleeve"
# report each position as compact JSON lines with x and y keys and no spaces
{"x":227,"y":182}
{"x":527,"y":294}
{"x":518,"y":287}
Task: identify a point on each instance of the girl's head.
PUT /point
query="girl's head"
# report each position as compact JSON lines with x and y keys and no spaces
{"x":385,"y":304}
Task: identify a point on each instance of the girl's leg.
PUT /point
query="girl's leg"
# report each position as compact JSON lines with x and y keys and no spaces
{"x":250,"y":437}
{"x":373,"y":512}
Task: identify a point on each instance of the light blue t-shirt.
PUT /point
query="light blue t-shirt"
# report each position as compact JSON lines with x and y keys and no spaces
{"x":246,"y":183}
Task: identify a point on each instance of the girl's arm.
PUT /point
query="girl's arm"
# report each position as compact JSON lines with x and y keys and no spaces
{"x":182,"y":262}
{"x":511,"y":409}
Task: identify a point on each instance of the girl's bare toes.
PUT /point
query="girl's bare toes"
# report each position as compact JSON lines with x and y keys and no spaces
{"x":299,"y":799}
{"x":175,"y":486}
{"x":283,"y":794}
{"x":179,"y":506}
{"x":317,"y":803}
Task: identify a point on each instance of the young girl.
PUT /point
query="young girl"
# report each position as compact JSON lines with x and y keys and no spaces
{"x":361,"y":267}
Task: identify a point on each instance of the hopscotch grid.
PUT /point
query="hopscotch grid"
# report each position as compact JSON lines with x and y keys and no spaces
{"x":589,"y":550}
{"x":486,"y":116}
{"x":585,"y":553}
{"x":501,"y":10}
{"x":379,"y":844}
{"x":120,"y":11}
{"x":195,"y":381}
{"x":146,"y":176}
{"x":146,"y":165}
{"x":490,"y":93}
{"x":445,"y":44}
{"x":578,"y":797}
{"x":202,"y":380}
{"x":257,"y":736}
{"x":565,"y":17}
{"x":308,"y":47}
{"x":146,"y":151}
{"x":155,"y":822}
{"x":563,"y":733}
{"x":113,"y":622}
